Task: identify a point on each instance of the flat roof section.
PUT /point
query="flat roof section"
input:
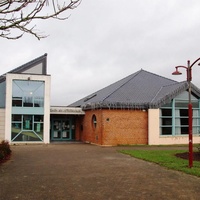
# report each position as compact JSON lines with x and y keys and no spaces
{"x":64,"y":110}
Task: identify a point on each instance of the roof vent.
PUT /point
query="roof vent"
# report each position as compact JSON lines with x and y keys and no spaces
{"x":90,"y":97}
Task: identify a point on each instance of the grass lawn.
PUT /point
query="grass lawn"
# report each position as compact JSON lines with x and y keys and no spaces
{"x":166,"y":158}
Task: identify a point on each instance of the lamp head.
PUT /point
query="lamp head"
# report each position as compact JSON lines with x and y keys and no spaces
{"x":176,"y":72}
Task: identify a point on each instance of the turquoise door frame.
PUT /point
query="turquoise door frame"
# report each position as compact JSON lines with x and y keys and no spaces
{"x":62,"y":129}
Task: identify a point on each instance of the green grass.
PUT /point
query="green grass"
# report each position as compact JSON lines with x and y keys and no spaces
{"x":166,"y":158}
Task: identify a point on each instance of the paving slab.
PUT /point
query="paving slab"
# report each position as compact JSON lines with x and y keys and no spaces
{"x":84,"y":172}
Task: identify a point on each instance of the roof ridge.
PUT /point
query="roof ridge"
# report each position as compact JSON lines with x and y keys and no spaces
{"x":131,"y":76}
{"x":164,"y":87}
{"x":181,"y":85}
{"x":156,"y":94}
{"x":160,"y":76}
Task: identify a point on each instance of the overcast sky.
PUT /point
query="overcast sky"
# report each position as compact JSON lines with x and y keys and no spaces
{"x":104,"y":41}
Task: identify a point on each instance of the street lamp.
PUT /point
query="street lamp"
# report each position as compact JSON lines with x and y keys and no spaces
{"x":189,"y":79}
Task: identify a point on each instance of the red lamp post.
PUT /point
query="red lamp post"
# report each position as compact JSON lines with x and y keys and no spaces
{"x":189,"y":79}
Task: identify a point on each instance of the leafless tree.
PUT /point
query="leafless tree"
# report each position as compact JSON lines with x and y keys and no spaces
{"x":17,"y":16}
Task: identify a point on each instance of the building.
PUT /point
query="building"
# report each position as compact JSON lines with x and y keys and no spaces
{"x":143,"y":108}
{"x":25,"y":103}
{"x":25,"y":112}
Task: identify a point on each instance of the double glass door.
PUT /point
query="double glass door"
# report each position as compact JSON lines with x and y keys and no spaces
{"x":62,"y":129}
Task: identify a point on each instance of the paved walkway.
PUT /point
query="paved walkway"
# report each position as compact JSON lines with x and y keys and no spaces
{"x":86,"y":172}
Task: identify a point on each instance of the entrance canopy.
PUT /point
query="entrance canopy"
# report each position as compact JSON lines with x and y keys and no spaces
{"x":64,"y":110}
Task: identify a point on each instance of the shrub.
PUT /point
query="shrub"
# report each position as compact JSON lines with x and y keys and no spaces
{"x":5,"y":150}
{"x":198,"y":148}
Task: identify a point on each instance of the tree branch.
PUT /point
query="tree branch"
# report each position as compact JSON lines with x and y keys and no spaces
{"x":14,"y":16}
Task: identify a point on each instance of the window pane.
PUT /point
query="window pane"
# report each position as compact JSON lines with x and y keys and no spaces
{"x":17,"y":118}
{"x":183,"y":112}
{"x":181,"y":104}
{"x":166,"y":112}
{"x":196,"y":130}
{"x":195,"y":121}
{"x":38,"y":118}
{"x":166,"y":121}
{"x":195,"y":104}
{"x":166,"y":130}
{"x":184,"y":130}
{"x":38,"y":128}
{"x":39,"y":96}
{"x":195,"y":113}
{"x":167,"y":105}
{"x":27,"y":136}
{"x":177,"y":122}
{"x":16,"y":128}
{"x":28,"y":100}
{"x":184,"y":121}
{"x":27,"y":122}
{"x":17,"y":101}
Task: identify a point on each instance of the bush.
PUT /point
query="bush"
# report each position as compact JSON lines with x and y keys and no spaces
{"x":198,"y":148}
{"x":5,"y":150}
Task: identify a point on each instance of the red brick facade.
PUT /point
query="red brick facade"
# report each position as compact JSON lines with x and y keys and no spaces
{"x":114,"y":127}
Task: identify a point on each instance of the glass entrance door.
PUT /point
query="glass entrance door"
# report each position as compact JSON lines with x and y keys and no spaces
{"x":61,"y":129}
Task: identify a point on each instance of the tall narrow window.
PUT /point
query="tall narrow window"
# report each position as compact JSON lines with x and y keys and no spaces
{"x":166,"y":121}
{"x":184,"y":121}
{"x":94,"y":121}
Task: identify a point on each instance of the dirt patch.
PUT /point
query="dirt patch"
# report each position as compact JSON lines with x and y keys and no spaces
{"x":196,"y":156}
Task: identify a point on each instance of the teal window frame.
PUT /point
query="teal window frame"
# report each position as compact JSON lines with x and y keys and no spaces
{"x":27,"y":125}
{"x":179,"y":117}
{"x":28,"y":93}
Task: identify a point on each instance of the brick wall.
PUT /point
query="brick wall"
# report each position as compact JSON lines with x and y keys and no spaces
{"x":88,"y":132}
{"x":78,"y":128}
{"x":116,"y":127}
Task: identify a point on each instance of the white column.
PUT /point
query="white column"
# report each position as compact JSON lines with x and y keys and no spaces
{"x":47,"y":109}
{"x":153,"y":126}
{"x":8,"y":109}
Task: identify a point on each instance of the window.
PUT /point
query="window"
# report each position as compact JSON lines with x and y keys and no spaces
{"x":27,"y":111}
{"x":166,"y":121}
{"x":174,"y":116}
{"x":94,"y":121}
{"x":27,"y":128}
{"x":183,"y":118}
{"x":27,"y":93}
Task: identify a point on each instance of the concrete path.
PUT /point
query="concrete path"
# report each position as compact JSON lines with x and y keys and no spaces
{"x":84,"y":172}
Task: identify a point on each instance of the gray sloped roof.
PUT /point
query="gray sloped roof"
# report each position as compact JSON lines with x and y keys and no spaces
{"x":139,"y":90}
{"x":22,"y":68}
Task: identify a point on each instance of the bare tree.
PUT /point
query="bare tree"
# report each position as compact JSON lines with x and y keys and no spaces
{"x":17,"y":16}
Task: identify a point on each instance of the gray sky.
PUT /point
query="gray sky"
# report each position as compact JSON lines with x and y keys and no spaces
{"x":104,"y":41}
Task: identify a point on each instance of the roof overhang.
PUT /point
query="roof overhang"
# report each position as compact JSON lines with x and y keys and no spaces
{"x":64,"y":110}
